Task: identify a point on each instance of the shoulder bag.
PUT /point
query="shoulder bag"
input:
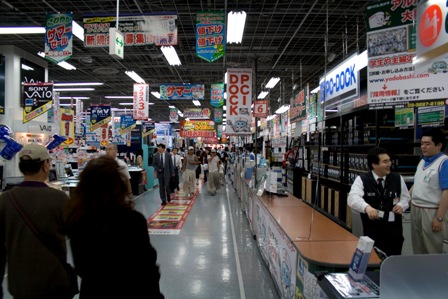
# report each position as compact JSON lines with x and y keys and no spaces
{"x":72,"y":277}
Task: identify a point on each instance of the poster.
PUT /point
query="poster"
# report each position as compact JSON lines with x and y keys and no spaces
{"x":67,"y":126}
{"x":58,"y":37}
{"x":173,"y":114}
{"x":210,"y":35}
{"x":38,"y":99}
{"x":182,"y":91}
{"x":127,"y":124}
{"x":99,"y":115}
{"x":197,"y":113}
{"x":297,"y":109}
{"x":239,"y":100}
{"x":148,"y":129}
{"x":141,"y":100}
{"x":218,"y":115}
{"x":197,"y":128}
{"x":217,"y":94}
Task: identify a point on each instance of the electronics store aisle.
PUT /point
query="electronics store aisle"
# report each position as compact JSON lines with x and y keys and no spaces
{"x":214,"y":255}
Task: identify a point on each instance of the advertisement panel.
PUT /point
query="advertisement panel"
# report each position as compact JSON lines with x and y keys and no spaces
{"x":127,"y":124}
{"x":67,"y":126}
{"x":210,"y":35}
{"x":239,"y":100}
{"x":297,"y":109}
{"x":138,"y":30}
{"x":141,"y":100}
{"x":58,"y":37}
{"x":217,"y":94}
{"x":197,"y":113}
{"x":197,"y":128}
{"x":38,"y":99}
{"x":173,"y":114}
{"x":182,"y":91}
{"x":99,"y":115}
{"x":148,"y":129}
{"x":218,"y":115}
{"x":261,"y":108}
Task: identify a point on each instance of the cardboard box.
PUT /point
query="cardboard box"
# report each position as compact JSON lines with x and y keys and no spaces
{"x":361,"y":258}
{"x":310,"y":190}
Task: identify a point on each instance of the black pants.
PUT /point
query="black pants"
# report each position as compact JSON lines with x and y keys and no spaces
{"x":164,"y":187}
{"x":388,"y":236}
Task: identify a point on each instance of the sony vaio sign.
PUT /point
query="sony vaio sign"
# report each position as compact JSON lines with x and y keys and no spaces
{"x":342,"y":81}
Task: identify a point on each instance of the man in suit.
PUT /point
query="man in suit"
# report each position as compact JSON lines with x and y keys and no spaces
{"x":163,"y":165}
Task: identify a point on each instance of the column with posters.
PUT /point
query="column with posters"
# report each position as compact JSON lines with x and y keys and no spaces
{"x":38,"y":99}
{"x":391,"y":42}
{"x":239,"y":100}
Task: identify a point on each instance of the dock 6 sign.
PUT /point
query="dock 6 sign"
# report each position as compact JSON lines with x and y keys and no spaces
{"x":239,"y":100}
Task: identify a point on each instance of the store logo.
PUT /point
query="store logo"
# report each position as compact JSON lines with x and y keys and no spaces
{"x":430,"y":25}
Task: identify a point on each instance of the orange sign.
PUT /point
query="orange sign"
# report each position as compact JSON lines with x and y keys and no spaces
{"x":430,"y":25}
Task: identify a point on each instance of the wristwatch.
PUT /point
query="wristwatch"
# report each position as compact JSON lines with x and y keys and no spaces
{"x":440,"y":219}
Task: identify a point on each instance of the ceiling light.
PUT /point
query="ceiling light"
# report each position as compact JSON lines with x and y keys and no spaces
{"x":74,"y":97}
{"x":22,"y":30}
{"x":77,"y":30}
{"x":26,"y":67}
{"x":224,"y":107}
{"x":118,"y":97}
{"x":78,"y":83}
{"x":272,"y":82}
{"x":67,"y":105}
{"x":171,"y":106}
{"x":74,"y":89}
{"x":41,"y":54}
{"x":156,"y":94}
{"x":126,"y":104}
{"x":66,"y":65}
{"x":224,"y":115}
{"x":196,"y":103}
{"x":151,"y":103}
{"x":171,"y":55}
{"x":315,"y":90}
{"x":235,"y":26}
{"x":134,"y":76}
{"x":263,"y":94}
{"x":225,"y":78}
{"x":282,"y":109}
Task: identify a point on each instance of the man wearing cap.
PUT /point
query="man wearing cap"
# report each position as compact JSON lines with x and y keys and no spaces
{"x":112,"y":151}
{"x":213,"y":182}
{"x":191,"y":162}
{"x":33,"y":270}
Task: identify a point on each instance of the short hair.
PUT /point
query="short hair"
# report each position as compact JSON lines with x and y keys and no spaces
{"x":437,"y":136}
{"x":168,"y":150}
{"x":161,"y":145}
{"x":112,"y":146}
{"x":373,"y":156}
{"x":30,"y":167}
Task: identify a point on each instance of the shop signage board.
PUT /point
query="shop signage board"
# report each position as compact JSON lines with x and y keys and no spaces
{"x":197,"y":113}
{"x":239,"y":100}
{"x":217,"y":94}
{"x":297,"y":108}
{"x":404,"y":117}
{"x":432,"y":36}
{"x":58,"y":37}
{"x":210,"y":35}
{"x":431,"y":116}
{"x":210,"y":140}
{"x":392,"y":78}
{"x":197,"y":128}
{"x":182,"y":91}
{"x":148,"y":129}
{"x":116,"y":44}
{"x":173,"y":114}
{"x":127,"y":124}
{"x":138,"y":30}
{"x":67,"y":126}
{"x":164,"y":132}
{"x":261,"y":108}
{"x":99,"y":115}
{"x":38,"y":99}
{"x":218,"y":115}
{"x":141,"y":100}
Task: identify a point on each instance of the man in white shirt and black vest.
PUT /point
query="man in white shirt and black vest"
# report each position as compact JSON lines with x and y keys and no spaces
{"x":381,"y":197}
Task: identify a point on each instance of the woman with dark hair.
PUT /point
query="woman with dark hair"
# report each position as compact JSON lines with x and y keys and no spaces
{"x":109,"y":240}
{"x":139,"y":157}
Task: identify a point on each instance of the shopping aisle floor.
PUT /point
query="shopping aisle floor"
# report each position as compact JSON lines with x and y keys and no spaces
{"x":213,"y":257}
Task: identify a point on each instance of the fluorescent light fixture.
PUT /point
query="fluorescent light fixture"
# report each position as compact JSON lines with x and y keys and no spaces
{"x":263,"y":94}
{"x":315,"y":90}
{"x":78,"y":84}
{"x":156,"y":94}
{"x":126,"y":104}
{"x":332,"y":110}
{"x":151,"y":103}
{"x":270,"y":117}
{"x":225,"y":95}
{"x":74,"y":89}
{"x":171,"y":106}
{"x":196,"y":103}
{"x":22,"y":30}
{"x":225,"y":78}
{"x":224,"y":107}
{"x":74,"y":97}
{"x":67,"y":105}
{"x":77,"y":30}
{"x":362,"y":61}
{"x":235,"y":26}
{"x":134,"y":76}
{"x":66,"y":65}
{"x":171,"y":55}
{"x":187,"y":119}
{"x":282,"y":109}
{"x":41,"y":54}
{"x":272,"y":82}
{"x":118,"y":97}
{"x":224,"y":115}
{"x":27,"y":67}
{"x":223,"y":128}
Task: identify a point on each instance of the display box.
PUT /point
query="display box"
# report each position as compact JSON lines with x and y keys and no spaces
{"x":310,"y":190}
{"x":361,"y":258}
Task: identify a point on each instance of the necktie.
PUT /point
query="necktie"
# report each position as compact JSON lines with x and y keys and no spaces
{"x":174,"y":160}
{"x":380,"y":185}
{"x":163,"y":160}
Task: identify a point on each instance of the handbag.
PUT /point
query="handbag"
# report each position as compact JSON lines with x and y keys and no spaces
{"x":72,"y":276}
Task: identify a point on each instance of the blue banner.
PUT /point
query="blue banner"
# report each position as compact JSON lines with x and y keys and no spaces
{"x":127,"y":124}
{"x":182,"y":91}
{"x":217,"y":94}
{"x":58,"y":37}
{"x":99,"y":115}
{"x":210,"y":35}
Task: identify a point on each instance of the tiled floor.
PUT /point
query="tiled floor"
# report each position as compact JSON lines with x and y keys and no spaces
{"x":214,"y":256}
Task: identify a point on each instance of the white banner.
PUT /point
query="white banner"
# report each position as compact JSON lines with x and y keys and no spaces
{"x":141,"y":99}
{"x":79,"y":110}
{"x":239,"y":100}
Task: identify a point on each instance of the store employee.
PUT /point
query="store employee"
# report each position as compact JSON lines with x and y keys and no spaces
{"x":381,"y":197}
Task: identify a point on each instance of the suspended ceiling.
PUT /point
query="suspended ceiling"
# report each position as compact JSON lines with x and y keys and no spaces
{"x":284,"y":38}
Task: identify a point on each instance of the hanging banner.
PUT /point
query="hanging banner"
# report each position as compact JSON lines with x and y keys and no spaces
{"x":210,"y":140}
{"x":218,"y":115}
{"x":127,"y":124}
{"x":197,"y":128}
{"x":56,"y":108}
{"x":2,"y":84}
{"x":141,"y":100}
{"x":197,"y":113}
{"x":173,"y":114}
{"x":58,"y":37}
{"x":99,"y":115}
{"x":78,"y":124}
{"x":239,"y":100}
{"x":210,"y":35}
{"x":148,"y":129}
{"x":138,"y":30}
{"x":217,"y":94}
{"x":261,"y":108}
{"x":164,"y":132}
{"x":297,"y":108}
{"x":181,"y":92}
{"x":219,"y":131}
{"x":67,"y":126}
{"x":432,"y":37}
{"x":104,"y":135}
{"x":38,"y":99}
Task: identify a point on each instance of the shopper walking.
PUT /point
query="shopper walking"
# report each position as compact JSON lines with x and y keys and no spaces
{"x":28,"y":212}
{"x":214,"y":179}
{"x":109,"y":240}
{"x":429,"y":220}
{"x":189,"y":172}
{"x":204,"y":160}
{"x":381,"y":197}
{"x":112,"y":151}
{"x":163,"y":165}
{"x":177,"y":163}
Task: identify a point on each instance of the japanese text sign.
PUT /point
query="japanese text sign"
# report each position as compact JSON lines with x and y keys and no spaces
{"x":210,"y":35}
{"x":239,"y":100}
{"x":141,"y":99}
{"x":181,"y":92}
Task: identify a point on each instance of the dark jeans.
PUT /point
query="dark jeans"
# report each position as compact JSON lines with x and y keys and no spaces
{"x":164,"y":188}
